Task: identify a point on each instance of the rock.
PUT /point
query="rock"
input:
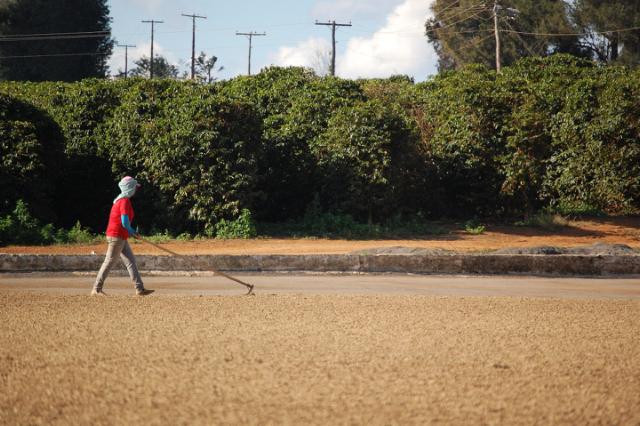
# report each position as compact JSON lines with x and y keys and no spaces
{"x":531,"y":250}
{"x":603,"y":249}
{"x":402,"y":251}
{"x":598,"y":249}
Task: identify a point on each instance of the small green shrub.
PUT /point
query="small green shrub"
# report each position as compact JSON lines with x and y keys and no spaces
{"x":241,"y":228}
{"x":474,"y":228}
{"x":20,"y":227}
{"x":185,"y":236}
{"x":80,"y":235}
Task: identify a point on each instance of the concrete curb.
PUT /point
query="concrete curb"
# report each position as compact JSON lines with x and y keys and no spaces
{"x":482,"y":264}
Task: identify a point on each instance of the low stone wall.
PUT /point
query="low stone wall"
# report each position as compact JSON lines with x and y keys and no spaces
{"x":484,"y":264}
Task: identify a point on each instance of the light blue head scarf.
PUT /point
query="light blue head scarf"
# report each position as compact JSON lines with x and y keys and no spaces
{"x":128,"y":187}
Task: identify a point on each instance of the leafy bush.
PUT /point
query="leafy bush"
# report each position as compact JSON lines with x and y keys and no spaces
{"x":30,"y":156}
{"x":552,"y":133}
{"x":71,"y":116}
{"x":80,"y":235}
{"x":20,"y":227}
{"x":241,"y":228}
{"x":597,"y":160}
{"x":362,"y":155}
{"x":199,"y":159}
{"x":294,"y":105}
{"x":461,"y":120}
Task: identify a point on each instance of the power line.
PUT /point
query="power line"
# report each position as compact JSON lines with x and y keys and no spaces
{"x":477,"y":9}
{"x":416,"y":34}
{"x":193,"y":43}
{"x":526,"y":46}
{"x":476,"y":42}
{"x":152,"y":22}
{"x":475,"y":15}
{"x":77,"y":33}
{"x":621,"y":30}
{"x":459,"y":12}
{"x":452,"y":5}
{"x":66,"y":37}
{"x":333,"y":26}
{"x":54,"y":55}
{"x":250,"y":35}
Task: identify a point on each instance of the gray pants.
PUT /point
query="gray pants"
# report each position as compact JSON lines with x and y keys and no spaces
{"x":117,"y":247}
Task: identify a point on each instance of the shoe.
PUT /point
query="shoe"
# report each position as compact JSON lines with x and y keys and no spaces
{"x":144,"y":292}
{"x":98,"y":292}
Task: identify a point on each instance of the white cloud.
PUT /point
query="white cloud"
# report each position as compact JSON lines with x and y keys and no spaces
{"x":399,"y":47}
{"x":352,"y":9}
{"x":149,"y":5}
{"x":313,"y":53}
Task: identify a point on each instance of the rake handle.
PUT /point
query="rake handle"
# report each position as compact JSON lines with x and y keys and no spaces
{"x":166,"y":250}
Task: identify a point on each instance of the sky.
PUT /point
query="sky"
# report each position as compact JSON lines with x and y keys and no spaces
{"x":386,"y":36}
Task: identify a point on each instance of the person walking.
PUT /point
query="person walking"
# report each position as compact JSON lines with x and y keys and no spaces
{"x":118,"y":232}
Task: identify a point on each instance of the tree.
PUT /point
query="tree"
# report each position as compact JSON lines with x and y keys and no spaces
{"x":56,"y":58}
{"x":205,"y":66}
{"x":462,"y":31}
{"x":596,"y":18}
{"x":161,"y":68}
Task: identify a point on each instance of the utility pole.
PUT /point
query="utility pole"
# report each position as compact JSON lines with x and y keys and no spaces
{"x":250,"y":35}
{"x":193,"y":43}
{"x":333,"y":26}
{"x":126,"y":57}
{"x":496,"y":6}
{"x":152,"y":22}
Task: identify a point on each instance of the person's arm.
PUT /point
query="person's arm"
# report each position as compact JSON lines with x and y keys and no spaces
{"x":126,"y":224}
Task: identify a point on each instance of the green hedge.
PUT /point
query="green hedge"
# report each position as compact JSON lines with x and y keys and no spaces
{"x":554,"y":132}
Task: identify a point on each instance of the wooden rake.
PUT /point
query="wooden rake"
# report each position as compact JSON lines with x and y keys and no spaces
{"x":215,"y":271}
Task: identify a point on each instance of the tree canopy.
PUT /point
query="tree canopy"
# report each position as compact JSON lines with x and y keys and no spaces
{"x":31,"y":56}
{"x":462,"y":31}
{"x":205,"y":67}
{"x":598,"y":19}
{"x":161,"y":68}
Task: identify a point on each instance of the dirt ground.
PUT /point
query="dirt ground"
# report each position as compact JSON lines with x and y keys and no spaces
{"x":627,"y":288}
{"x":610,"y":230}
{"x":317,"y":359}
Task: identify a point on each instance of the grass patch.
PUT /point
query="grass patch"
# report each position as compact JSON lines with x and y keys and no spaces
{"x":545,"y":220}
{"x":160,"y":237}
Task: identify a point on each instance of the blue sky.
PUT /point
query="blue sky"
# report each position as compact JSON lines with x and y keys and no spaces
{"x":387,"y":36}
